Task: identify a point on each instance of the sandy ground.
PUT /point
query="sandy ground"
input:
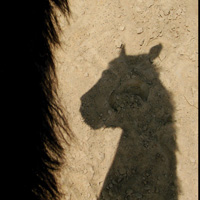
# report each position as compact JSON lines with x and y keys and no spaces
{"x":128,"y":74}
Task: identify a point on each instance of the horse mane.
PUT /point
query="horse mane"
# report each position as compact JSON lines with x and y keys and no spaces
{"x":33,"y":105}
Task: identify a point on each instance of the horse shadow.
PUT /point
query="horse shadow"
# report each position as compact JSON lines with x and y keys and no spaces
{"x":130,"y":95}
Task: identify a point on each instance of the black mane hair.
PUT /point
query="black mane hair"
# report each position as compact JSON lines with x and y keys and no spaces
{"x":33,"y":120}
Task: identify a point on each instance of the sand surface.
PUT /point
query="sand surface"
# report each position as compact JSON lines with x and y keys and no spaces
{"x":128,"y":74}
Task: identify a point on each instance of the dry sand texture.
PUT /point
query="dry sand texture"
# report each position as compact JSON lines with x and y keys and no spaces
{"x":128,"y":75}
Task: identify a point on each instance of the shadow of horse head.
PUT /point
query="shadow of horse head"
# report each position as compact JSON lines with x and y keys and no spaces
{"x":126,"y":84}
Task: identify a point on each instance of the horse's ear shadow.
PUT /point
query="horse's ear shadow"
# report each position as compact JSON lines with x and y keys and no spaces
{"x":155,"y":51}
{"x":123,"y":50}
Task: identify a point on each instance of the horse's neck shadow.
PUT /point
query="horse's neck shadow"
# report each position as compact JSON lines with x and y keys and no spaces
{"x":130,"y":95}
